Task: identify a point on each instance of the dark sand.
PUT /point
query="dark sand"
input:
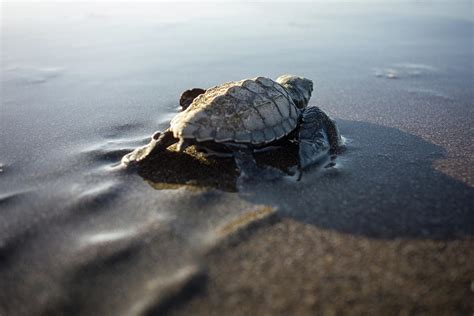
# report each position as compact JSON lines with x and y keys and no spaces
{"x":401,"y":245}
{"x":293,"y":268}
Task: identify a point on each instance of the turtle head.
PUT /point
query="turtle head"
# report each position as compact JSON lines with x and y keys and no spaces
{"x":299,"y":89}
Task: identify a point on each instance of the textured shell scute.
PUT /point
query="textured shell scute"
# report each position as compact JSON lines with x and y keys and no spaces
{"x":269,"y":134}
{"x":282,"y":90}
{"x":243,"y":137}
{"x":224,"y":135}
{"x":294,"y":112}
{"x":282,"y":104}
{"x":252,"y":86}
{"x":205,"y":134}
{"x":189,"y":131}
{"x":265,"y":81}
{"x":252,"y":120}
{"x":287,"y":126}
{"x":270,"y":114}
{"x":278,"y":129}
{"x":272,"y":92}
{"x":258,"y":137}
{"x":240,"y":93}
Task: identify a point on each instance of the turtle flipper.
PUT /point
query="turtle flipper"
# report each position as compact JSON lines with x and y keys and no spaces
{"x":250,"y":170}
{"x":318,"y":137}
{"x":188,"y":96}
{"x":159,"y":142}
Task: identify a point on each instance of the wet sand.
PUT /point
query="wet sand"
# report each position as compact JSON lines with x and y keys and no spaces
{"x":397,"y":240}
{"x":388,"y":229}
{"x":293,"y":268}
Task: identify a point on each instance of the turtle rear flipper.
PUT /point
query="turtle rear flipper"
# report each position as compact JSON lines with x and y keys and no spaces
{"x":188,"y":96}
{"x":318,"y":137}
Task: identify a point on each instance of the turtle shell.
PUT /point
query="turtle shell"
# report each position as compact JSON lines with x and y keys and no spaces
{"x":256,"y":111}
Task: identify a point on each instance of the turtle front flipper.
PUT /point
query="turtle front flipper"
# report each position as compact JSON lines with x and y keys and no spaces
{"x":319,"y":137}
{"x":188,"y":96}
{"x":159,"y":142}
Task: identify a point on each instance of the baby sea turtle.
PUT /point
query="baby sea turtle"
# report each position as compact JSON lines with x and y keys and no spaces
{"x":241,"y":117}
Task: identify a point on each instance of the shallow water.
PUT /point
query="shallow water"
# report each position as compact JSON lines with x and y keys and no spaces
{"x":83,"y":84}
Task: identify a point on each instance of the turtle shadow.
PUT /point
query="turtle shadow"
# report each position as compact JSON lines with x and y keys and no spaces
{"x":383,"y":186}
{"x":195,"y":170}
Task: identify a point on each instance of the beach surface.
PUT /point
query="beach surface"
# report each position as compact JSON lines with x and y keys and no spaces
{"x":388,"y":229}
